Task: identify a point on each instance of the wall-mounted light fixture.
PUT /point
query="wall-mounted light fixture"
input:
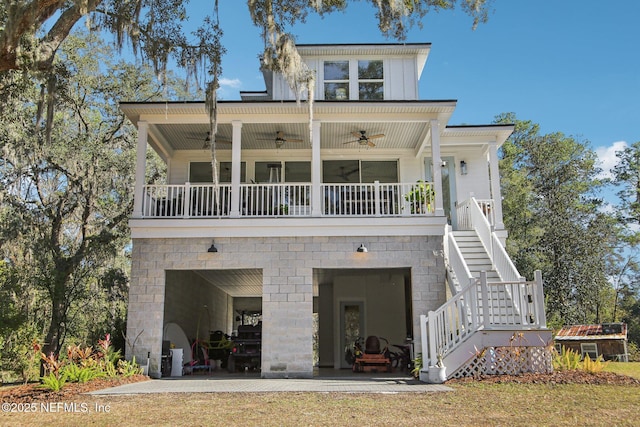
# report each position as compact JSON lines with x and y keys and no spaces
{"x":463,"y":167}
{"x":212,"y":248}
{"x":362,"y":248}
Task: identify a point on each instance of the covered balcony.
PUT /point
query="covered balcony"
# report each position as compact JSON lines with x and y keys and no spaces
{"x":395,"y":163}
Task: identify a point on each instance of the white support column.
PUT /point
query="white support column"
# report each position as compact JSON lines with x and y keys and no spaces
{"x":236,"y":165}
{"x":541,"y":315}
{"x":437,"y":166}
{"x":141,"y":166}
{"x":316,"y":170}
{"x":496,"y":194}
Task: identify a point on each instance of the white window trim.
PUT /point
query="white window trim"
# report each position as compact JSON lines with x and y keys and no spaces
{"x":359,"y":80}
{"x":589,"y":348}
{"x":325,"y":81}
{"x":354,"y":82}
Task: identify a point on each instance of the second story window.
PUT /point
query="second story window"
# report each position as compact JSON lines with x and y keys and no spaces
{"x":336,"y":80}
{"x":370,"y":79}
{"x":355,"y":79}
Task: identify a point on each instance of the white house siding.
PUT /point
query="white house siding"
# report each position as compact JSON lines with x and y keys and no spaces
{"x":477,"y":177}
{"x":400,"y":78}
{"x":287,"y":265}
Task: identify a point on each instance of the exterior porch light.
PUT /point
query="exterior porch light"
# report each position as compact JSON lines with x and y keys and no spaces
{"x":212,"y":248}
{"x":463,"y":167}
{"x":362,"y":248}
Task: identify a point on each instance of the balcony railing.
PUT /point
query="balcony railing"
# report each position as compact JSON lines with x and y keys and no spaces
{"x":288,"y":200}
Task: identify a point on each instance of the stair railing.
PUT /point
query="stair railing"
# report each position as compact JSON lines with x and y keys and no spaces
{"x":475,"y":218}
{"x":476,"y":308}
{"x":503,"y":264}
{"x":478,"y":222}
{"x":457,"y":264}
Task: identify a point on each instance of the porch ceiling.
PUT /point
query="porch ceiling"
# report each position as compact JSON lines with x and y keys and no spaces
{"x":261,"y":136}
{"x":236,"y":283}
{"x":248,"y":282}
{"x":184,"y":126}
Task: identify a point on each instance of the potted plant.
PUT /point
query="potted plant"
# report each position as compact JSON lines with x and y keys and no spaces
{"x":438,"y":372}
{"x":420,"y":198}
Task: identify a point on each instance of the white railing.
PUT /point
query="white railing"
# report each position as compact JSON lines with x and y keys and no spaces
{"x":502,"y":262}
{"x":378,"y":199}
{"x":482,"y":306}
{"x":477,"y":215}
{"x":268,"y":200}
{"x":455,"y":260}
{"x":486,"y":206}
{"x":186,"y":201}
{"x":463,"y":213}
{"x":288,"y":199}
{"x":163,"y":201}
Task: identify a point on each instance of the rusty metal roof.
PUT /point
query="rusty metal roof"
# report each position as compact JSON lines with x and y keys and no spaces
{"x":605,"y":331}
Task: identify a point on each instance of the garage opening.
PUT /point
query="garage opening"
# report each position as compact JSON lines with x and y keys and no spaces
{"x":207,"y":313}
{"x":353,"y":304}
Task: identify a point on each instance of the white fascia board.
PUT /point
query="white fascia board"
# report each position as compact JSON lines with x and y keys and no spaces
{"x":286,"y":227}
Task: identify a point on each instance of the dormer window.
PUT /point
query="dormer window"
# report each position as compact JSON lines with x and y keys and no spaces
{"x":336,"y":80}
{"x":353,"y":79}
{"x":370,"y":80}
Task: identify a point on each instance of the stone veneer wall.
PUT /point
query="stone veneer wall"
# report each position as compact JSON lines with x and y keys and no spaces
{"x":287,"y":264}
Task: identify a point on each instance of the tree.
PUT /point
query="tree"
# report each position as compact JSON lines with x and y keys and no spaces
{"x":626,"y":175}
{"x":556,"y":221}
{"x":154,"y":29}
{"x":66,"y":201}
{"x":154,"y":26}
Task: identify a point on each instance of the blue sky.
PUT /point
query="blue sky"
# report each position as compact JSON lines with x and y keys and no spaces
{"x":571,"y":66}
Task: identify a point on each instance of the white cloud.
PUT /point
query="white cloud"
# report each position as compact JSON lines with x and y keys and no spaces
{"x":230,"y":83}
{"x":607,"y":156}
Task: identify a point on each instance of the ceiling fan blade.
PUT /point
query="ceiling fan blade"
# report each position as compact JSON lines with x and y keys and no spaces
{"x":371,"y":144}
{"x":280,"y":134}
{"x":356,"y":134}
{"x":349,"y":142}
{"x":380,"y":135}
{"x":294,"y":140}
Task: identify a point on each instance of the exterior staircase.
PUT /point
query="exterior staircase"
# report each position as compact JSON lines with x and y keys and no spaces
{"x":495,"y":320}
{"x":475,"y":254}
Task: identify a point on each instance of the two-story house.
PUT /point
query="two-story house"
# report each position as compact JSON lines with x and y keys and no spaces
{"x":375,"y":218}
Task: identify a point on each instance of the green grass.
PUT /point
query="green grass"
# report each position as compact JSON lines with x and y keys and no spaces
{"x":631,"y":369}
{"x":470,"y":404}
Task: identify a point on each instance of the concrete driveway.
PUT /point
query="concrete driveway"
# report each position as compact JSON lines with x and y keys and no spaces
{"x":329,"y":381}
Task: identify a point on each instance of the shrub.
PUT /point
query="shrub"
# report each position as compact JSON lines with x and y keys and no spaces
{"x":566,"y":360}
{"x":417,"y":365}
{"x":128,"y":369}
{"x":53,"y":382}
{"x":54,"y":377}
{"x":82,"y":374}
{"x":571,"y":360}
{"x":594,"y":366}
{"x":85,"y":364}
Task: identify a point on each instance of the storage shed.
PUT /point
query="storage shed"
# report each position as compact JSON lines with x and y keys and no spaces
{"x":608,"y":340}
